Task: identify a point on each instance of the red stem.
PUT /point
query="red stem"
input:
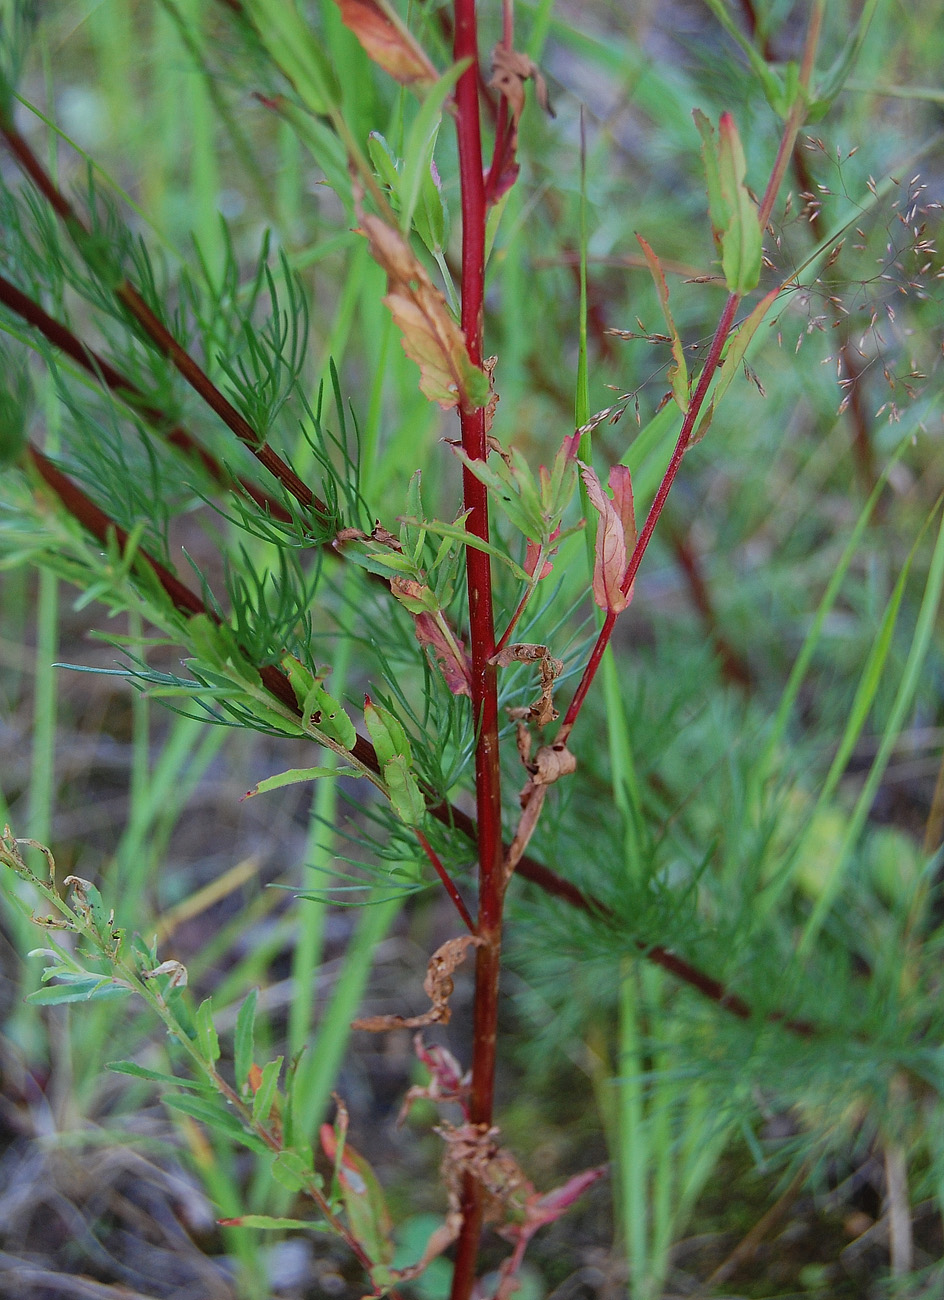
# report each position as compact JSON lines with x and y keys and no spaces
{"x":446,"y":879}
{"x":482,"y":633}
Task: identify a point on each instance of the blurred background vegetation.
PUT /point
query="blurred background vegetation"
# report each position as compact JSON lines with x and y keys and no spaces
{"x":747,"y":1161}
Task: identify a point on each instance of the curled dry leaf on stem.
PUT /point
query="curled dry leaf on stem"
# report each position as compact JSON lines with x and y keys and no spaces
{"x":437,"y":985}
{"x":510,"y":70}
{"x":549,"y":764}
{"x":542,"y":711}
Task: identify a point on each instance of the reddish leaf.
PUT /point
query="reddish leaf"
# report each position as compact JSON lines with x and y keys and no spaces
{"x":387,"y":41}
{"x":610,"y":552}
{"x":429,"y":334}
{"x":448,"y":651}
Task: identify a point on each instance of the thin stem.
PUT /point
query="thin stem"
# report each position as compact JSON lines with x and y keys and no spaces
{"x":446,"y":879}
{"x":655,"y":510}
{"x":67,"y":342}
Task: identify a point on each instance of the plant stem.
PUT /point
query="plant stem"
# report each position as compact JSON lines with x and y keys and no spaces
{"x":482,"y":637}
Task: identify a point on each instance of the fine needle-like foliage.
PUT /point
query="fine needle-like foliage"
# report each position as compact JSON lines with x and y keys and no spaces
{"x":481,"y":465}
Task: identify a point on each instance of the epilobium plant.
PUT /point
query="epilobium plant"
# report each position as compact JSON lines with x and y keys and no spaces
{"x":418,"y":604}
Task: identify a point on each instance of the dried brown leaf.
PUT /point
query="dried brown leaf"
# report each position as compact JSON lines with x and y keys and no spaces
{"x":437,"y":985}
{"x":542,"y":710}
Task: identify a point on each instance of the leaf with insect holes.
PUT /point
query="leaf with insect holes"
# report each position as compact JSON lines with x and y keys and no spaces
{"x":366,"y":1206}
{"x":616,"y":535}
{"x":317,"y":707}
{"x":387,"y":41}
{"x":429,"y":334}
{"x":732,"y":210}
{"x":678,"y":374}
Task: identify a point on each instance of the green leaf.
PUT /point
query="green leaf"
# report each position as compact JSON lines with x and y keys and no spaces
{"x":207,"y":1036}
{"x":742,"y":238}
{"x":212,"y":1114}
{"x":269,"y":1224}
{"x":297,"y":49}
{"x":386,"y":163}
{"x":318,"y":708}
{"x":405,"y":796}
{"x":293,"y":1173}
{"x":732,"y":211}
{"x":387,"y":733}
{"x":297,"y":775}
{"x":244,"y":1038}
{"x":93,"y":988}
{"x":266,"y":1092}
{"x":157,"y":1076}
{"x":418,"y":152}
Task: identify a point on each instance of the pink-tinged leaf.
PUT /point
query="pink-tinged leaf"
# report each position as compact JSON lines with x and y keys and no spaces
{"x":610,"y":552}
{"x":555,"y":1203}
{"x":367,"y":1214}
{"x":621,"y":485}
{"x":531,"y":557}
{"x":448,"y":651}
{"x":387,"y":41}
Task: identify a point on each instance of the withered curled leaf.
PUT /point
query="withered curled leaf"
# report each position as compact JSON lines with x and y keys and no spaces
{"x":437,"y":985}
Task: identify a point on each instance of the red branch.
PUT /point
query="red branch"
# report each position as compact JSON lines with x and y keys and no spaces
{"x":482,"y":638}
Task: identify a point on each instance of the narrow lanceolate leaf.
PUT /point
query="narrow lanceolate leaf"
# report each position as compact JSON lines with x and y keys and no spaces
{"x":267,"y":1223}
{"x":732,"y":210}
{"x":206,"y":1031}
{"x":428,"y":332}
{"x":610,"y":554}
{"x":244,"y":1038}
{"x":296,"y":775}
{"x":678,"y":374}
{"x":387,"y":40}
{"x":396,"y":759}
{"x":741,"y":242}
{"x":267,"y":1090}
